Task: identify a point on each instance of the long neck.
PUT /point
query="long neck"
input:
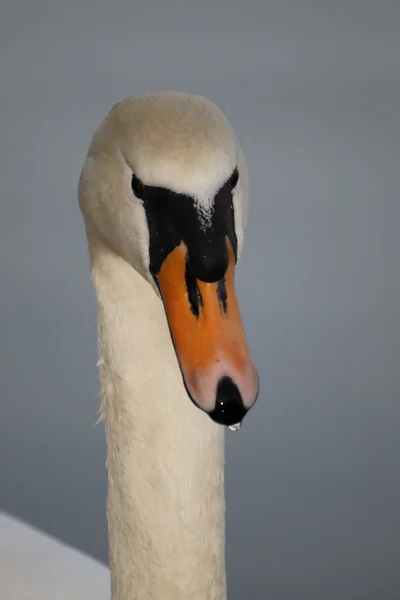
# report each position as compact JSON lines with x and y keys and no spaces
{"x":164,"y":456}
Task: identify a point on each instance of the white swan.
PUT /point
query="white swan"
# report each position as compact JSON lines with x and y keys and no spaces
{"x":163,"y":193}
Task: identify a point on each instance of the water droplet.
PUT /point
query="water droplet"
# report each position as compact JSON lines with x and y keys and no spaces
{"x":235,"y":427}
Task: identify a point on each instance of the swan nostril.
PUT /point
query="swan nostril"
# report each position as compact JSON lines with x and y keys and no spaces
{"x":229,"y":408}
{"x":193,"y":292}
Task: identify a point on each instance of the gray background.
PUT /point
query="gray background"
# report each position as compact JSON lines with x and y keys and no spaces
{"x":313,"y":91}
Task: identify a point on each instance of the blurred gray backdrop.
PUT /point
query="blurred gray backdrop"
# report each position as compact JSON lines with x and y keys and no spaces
{"x":313,"y":91}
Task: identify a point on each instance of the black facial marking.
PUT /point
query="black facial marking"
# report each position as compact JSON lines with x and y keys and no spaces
{"x":137,"y":187}
{"x":173,"y":218}
{"x":194,"y":296}
{"x":222,"y":294}
{"x":234,"y":179}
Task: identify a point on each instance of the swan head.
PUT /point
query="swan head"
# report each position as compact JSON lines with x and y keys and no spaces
{"x":164,"y":186}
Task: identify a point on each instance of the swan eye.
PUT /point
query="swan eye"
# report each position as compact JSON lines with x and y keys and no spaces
{"x":137,"y":187}
{"x":234,"y":179}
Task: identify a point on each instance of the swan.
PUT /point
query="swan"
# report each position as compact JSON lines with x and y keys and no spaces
{"x":164,"y":198}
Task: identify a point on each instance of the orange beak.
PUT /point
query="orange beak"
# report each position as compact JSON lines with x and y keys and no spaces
{"x":209,"y":339}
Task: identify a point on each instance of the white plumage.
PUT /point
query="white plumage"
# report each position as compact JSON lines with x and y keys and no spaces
{"x":165,"y":457}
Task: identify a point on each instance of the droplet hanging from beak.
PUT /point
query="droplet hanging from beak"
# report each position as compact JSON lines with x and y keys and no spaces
{"x":235,"y":427}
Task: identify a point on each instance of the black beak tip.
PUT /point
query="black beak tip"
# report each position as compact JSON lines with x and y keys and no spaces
{"x":229,"y":408}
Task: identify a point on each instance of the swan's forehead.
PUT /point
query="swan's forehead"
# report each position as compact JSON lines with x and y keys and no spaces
{"x":196,"y":171}
{"x":184,"y":144}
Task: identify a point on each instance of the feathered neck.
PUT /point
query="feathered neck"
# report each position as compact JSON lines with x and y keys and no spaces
{"x":164,"y":456}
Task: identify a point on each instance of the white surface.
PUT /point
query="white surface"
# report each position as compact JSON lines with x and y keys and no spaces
{"x":36,"y":567}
